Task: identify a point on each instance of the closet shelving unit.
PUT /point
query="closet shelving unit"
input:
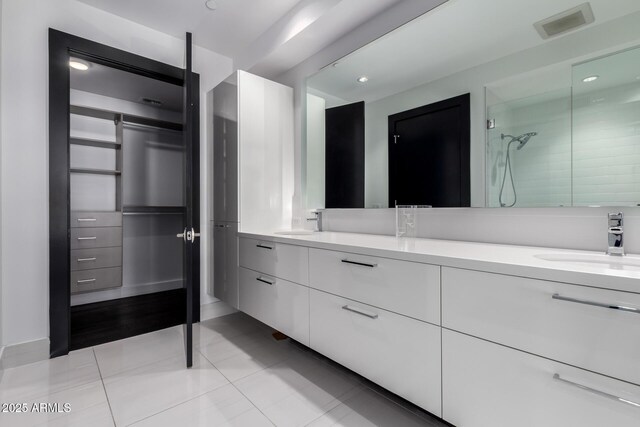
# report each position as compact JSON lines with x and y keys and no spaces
{"x":97,"y":234}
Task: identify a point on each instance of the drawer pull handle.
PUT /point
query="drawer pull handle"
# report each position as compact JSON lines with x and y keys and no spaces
{"x":267,"y":281}
{"x":87,"y":238}
{"x":86,"y":219}
{"x":598,"y":392}
{"x":363,"y":264}
{"x":86,"y":259}
{"x":79,"y":282}
{"x":597,"y":304}
{"x":360,"y":312}
{"x":260,"y":245}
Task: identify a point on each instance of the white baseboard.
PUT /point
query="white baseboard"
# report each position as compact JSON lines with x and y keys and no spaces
{"x":215,"y":309}
{"x":24,"y":353}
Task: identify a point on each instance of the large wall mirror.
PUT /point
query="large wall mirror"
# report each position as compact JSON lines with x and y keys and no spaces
{"x":521,"y":104}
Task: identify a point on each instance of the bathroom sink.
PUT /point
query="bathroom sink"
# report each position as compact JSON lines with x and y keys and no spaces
{"x":629,"y":263}
{"x":295,"y":232}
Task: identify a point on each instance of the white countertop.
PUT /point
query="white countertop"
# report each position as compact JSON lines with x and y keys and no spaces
{"x":493,"y":258}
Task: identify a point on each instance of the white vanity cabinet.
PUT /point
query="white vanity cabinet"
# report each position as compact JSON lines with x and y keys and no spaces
{"x":409,"y":288}
{"x":477,"y":348}
{"x":487,"y":385}
{"x":528,"y":352}
{"x":394,"y":351}
{"x":364,"y":315}
{"x":272,"y":289}
{"x":569,"y":323}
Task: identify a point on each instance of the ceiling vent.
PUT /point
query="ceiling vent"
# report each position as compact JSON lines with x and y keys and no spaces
{"x":565,"y":21}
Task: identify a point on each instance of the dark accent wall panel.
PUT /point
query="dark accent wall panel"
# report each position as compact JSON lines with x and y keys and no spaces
{"x":344,"y":156}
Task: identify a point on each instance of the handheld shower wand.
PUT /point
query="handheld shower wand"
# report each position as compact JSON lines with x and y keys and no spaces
{"x":522,"y":139}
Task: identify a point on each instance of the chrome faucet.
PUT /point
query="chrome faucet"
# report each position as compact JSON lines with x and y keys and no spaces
{"x":616,"y":234}
{"x":317,"y":219}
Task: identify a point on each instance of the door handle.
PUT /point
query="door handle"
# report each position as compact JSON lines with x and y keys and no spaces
{"x":188,"y":235}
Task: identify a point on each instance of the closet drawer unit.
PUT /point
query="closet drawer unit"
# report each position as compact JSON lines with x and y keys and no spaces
{"x":101,"y":237}
{"x":287,"y":262}
{"x":95,"y":219}
{"x":569,"y":323}
{"x":396,"y":352}
{"x":408,"y":288}
{"x":281,"y":304}
{"x":88,"y":259}
{"x":92,"y":280}
{"x":486,"y":384}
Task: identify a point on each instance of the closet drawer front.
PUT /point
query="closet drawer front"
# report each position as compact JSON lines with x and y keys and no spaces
{"x":101,"y":237}
{"x":399,"y":353}
{"x":92,"y":280}
{"x":522,"y":313}
{"x":486,"y":384}
{"x":88,"y":259}
{"x":287,"y":262}
{"x":408,"y":288}
{"x":95,"y":219}
{"x":281,"y":304}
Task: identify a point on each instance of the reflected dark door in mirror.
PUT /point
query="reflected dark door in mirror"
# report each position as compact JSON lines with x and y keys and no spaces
{"x":429,"y":155}
{"x":344,"y":156}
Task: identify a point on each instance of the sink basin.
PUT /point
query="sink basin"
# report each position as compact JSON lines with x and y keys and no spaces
{"x":629,"y":263}
{"x":295,"y":232}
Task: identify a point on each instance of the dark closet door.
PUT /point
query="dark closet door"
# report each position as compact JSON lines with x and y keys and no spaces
{"x":191,"y":234}
{"x":429,"y":155}
{"x":344,"y":156}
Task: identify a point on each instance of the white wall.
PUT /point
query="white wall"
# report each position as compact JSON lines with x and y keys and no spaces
{"x":24,"y":167}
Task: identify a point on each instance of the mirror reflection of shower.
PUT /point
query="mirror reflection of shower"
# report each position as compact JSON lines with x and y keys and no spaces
{"x":522,"y":139}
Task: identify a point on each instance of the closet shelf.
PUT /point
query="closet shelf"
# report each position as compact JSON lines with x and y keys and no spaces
{"x":95,"y":171}
{"x":153,"y":210}
{"x":94,"y":142}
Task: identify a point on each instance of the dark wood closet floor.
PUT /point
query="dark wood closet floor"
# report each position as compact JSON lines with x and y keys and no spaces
{"x":101,"y":322}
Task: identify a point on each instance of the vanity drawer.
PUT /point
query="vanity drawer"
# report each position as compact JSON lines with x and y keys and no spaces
{"x":281,"y":304}
{"x":100,"y":237}
{"x":287,"y":262}
{"x":396,"y":352}
{"x":523,"y":313}
{"x":95,"y":219}
{"x":486,"y":384}
{"x":92,"y":280}
{"x":88,"y":259}
{"x":408,"y":288}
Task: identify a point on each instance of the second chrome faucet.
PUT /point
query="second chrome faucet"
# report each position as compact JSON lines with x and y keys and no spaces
{"x":616,"y":234}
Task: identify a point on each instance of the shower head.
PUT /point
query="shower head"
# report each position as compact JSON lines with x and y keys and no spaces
{"x":522,"y":139}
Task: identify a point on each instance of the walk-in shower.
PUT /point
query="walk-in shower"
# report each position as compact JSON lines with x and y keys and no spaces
{"x":522,"y":139}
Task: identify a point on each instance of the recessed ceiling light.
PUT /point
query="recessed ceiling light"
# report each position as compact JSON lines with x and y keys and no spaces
{"x":335,"y":64}
{"x":211,"y":4}
{"x":363,"y":79}
{"x":78,"y":64}
{"x":590,"y":79}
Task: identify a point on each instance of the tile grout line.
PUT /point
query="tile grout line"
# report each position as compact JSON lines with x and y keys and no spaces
{"x":104,"y":388}
{"x":234,"y":386}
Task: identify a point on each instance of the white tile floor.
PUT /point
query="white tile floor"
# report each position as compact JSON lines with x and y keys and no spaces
{"x":241,"y":376}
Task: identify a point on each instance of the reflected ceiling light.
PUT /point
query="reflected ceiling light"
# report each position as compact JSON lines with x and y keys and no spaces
{"x":211,"y":4}
{"x":78,"y":64}
{"x":363,"y":79}
{"x":590,"y":79}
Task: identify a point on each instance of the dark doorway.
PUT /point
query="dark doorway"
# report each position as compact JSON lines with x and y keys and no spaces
{"x":123,"y":194}
{"x":344,"y":156}
{"x":429,"y":155}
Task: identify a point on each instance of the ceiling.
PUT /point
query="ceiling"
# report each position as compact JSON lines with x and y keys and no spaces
{"x":227,"y":30}
{"x":262,"y":36}
{"x":115,"y":83}
{"x":456,"y":36}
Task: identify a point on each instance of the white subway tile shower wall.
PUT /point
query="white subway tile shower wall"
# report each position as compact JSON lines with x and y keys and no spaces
{"x":567,"y":228}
